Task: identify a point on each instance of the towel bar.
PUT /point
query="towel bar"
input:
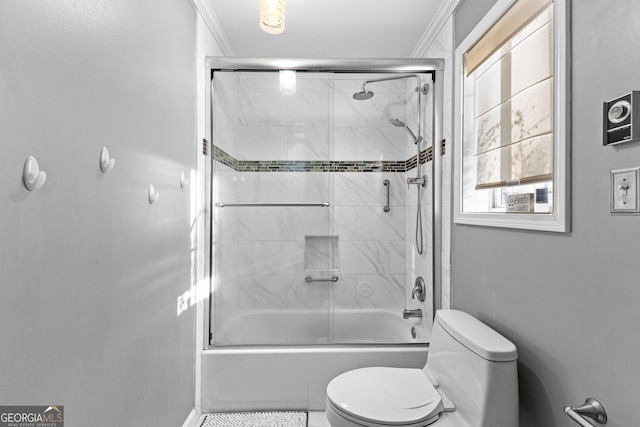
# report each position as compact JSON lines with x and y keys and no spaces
{"x":292,"y":204}
{"x":590,"y":408}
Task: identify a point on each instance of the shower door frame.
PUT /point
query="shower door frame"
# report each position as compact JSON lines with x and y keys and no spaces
{"x":337,"y":65}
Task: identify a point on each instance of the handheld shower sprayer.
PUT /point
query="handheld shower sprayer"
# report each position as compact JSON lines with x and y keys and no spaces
{"x":401,"y":124}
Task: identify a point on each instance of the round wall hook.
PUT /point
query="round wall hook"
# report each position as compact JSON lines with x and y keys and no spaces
{"x":153,"y":195}
{"x":32,"y":176}
{"x":106,"y":162}
{"x":184,"y":181}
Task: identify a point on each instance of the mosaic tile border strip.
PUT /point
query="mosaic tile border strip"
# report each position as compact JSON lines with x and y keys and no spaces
{"x":321,"y":165}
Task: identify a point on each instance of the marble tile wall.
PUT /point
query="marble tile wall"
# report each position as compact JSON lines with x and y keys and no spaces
{"x":224,"y":112}
{"x":260,"y":251}
{"x":416,"y":264}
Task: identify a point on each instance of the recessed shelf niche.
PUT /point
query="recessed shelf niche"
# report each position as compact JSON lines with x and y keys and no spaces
{"x":321,"y":254}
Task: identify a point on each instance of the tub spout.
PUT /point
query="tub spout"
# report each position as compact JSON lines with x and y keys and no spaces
{"x":416,"y":312}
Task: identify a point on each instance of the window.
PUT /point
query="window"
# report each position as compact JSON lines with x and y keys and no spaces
{"x":512,"y":122}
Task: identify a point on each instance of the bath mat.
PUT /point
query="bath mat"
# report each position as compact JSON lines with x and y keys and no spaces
{"x":256,"y":419}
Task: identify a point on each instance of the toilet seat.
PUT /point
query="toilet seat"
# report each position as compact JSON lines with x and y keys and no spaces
{"x":384,"y":396}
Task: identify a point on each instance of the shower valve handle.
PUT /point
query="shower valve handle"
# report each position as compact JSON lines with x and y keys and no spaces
{"x":419,"y":289}
{"x":422,"y":181}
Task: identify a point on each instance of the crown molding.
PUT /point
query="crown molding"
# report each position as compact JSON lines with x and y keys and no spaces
{"x":203,"y":7}
{"x":440,"y":19}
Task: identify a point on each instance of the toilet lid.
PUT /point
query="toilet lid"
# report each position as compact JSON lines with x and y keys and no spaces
{"x":392,"y":396}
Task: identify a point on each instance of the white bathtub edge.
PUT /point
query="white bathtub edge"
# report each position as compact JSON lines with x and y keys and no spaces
{"x":236,"y":379}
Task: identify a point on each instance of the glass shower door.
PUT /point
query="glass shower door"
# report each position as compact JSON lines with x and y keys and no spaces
{"x":314,"y":226}
{"x":274,"y":251}
{"x":376,"y":211}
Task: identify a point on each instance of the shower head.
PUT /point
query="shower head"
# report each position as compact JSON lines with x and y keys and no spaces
{"x":363,"y":94}
{"x":399,"y":123}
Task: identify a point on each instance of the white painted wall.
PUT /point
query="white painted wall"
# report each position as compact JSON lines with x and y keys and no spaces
{"x":569,"y":301}
{"x":90,"y":272}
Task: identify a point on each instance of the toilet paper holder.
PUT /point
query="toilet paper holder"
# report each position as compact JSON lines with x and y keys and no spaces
{"x":590,"y":408}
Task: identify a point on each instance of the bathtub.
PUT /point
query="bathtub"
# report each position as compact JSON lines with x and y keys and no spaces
{"x":267,"y":377}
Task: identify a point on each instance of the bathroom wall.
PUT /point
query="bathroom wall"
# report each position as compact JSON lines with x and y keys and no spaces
{"x":90,"y":271}
{"x":261,"y":258}
{"x":569,"y":301}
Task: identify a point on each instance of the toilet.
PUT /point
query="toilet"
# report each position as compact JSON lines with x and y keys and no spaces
{"x":470,"y":380}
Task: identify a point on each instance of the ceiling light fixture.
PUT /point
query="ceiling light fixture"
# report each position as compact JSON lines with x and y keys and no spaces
{"x":272,"y":16}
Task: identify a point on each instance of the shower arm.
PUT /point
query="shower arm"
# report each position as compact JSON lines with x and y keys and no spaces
{"x":419,"y":87}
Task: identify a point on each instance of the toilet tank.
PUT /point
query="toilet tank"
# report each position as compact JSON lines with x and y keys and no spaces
{"x":476,"y":368}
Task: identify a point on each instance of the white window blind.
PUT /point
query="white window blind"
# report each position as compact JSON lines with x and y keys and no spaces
{"x":511,"y":74}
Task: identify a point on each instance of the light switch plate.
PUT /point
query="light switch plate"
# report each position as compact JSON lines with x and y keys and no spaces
{"x":625,"y":194}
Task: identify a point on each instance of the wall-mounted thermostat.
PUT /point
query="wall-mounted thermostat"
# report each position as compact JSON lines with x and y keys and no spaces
{"x":622,"y":119}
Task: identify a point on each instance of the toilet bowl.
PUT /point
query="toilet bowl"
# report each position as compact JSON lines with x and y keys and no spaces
{"x":383,"y":396}
{"x":470,"y":380}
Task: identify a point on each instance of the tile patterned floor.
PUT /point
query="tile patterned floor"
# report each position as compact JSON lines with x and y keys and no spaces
{"x":257,"y":419}
{"x":316,"y":419}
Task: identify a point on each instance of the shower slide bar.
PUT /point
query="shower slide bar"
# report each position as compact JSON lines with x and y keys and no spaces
{"x":590,"y":408}
{"x":310,"y":279}
{"x":253,"y":205}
